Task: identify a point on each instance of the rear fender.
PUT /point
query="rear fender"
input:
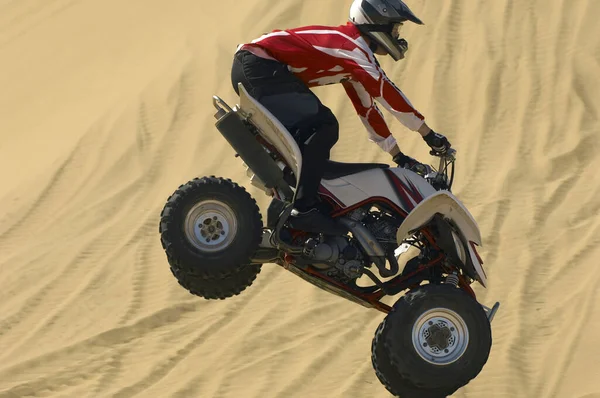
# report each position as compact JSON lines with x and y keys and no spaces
{"x":446,"y":204}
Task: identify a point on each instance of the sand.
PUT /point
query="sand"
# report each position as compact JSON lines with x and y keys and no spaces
{"x":105,"y":108}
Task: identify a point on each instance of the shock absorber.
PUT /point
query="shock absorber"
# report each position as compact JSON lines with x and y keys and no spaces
{"x":452,"y":279}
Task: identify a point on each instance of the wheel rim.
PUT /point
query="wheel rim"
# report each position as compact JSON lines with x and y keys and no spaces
{"x":210,"y":226}
{"x":440,"y":336}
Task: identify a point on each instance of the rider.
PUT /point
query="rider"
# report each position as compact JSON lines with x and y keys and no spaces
{"x":278,"y":68}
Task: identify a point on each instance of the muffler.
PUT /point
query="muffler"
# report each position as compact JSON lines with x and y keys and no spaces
{"x":252,"y":153}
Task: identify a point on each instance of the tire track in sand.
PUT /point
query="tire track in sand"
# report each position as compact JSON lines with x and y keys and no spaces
{"x":542,"y":269}
{"x":586,"y":302}
{"x":31,"y":305}
{"x":159,"y":372}
{"x":86,"y":258}
{"x":112,"y":370}
{"x":233,"y":313}
{"x":532,"y":330}
{"x":37,"y":206}
{"x":320,"y":362}
{"x":520,"y":372}
{"x":147,"y":132}
{"x":70,"y":270}
{"x":63,"y":378}
{"x":182,"y":92}
{"x":97,"y":345}
{"x":31,"y":17}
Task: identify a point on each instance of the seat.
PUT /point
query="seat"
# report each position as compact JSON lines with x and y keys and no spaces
{"x":335,"y":170}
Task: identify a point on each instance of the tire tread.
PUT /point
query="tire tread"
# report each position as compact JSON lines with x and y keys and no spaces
{"x":212,"y":275}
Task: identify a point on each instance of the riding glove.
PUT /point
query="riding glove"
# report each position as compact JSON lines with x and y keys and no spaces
{"x":411,"y":164}
{"x":437,"y":142}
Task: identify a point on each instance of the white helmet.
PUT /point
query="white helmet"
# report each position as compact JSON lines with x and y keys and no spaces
{"x":380,"y":20}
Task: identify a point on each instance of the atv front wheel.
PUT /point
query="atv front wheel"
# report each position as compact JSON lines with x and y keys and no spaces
{"x":389,"y":377}
{"x":437,"y":338}
{"x":210,"y":228}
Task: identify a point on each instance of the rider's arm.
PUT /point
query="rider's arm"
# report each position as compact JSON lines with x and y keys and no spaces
{"x":380,"y":88}
{"x":371,"y":116}
{"x":423,"y":130}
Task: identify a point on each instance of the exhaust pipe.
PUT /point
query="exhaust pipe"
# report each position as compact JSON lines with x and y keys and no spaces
{"x":371,"y":247}
{"x":252,"y":153}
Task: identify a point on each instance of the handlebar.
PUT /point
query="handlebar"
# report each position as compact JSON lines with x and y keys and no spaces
{"x":445,"y":158}
{"x":442,"y":177}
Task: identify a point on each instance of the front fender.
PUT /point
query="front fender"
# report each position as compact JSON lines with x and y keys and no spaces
{"x":446,"y":204}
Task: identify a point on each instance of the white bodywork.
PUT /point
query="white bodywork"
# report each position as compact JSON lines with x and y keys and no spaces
{"x":272,"y":130}
{"x":355,"y":188}
{"x":446,"y":203}
{"x":350,"y":190}
{"x":416,"y":197}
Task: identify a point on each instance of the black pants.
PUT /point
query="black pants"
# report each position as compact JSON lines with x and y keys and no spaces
{"x":313,"y":125}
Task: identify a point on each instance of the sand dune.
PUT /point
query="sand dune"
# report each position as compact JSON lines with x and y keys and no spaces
{"x":106,"y":109}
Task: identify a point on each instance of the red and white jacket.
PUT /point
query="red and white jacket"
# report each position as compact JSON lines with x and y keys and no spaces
{"x":321,"y":55}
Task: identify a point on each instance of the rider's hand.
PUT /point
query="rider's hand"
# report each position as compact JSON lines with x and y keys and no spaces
{"x":437,"y":142}
{"x":411,"y":164}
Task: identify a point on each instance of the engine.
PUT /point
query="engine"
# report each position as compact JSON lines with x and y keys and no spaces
{"x":381,"y":225}
{"x":337,"y":257}
{"x":340,"y":258}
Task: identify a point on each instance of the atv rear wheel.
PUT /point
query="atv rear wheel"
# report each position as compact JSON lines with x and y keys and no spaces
{"x":437,"y":337}
{"x":210,"y":228}
{"x":218,"y":288}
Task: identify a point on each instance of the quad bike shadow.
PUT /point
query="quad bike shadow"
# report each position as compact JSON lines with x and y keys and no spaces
{"x":434,"y":339}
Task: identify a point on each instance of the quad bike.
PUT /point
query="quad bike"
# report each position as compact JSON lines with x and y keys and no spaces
{"x":434,"y":339}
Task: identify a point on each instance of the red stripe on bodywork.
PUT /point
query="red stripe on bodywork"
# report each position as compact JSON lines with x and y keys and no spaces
{"x":416,"y":195}
{"x":404,"y":193}
{"x":473,"y":244}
